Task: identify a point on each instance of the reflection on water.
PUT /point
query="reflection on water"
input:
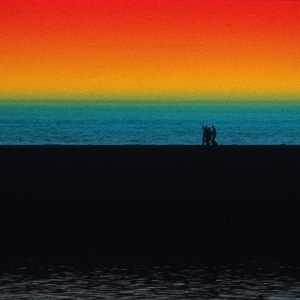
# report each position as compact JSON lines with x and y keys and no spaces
{"x":130,"y":278}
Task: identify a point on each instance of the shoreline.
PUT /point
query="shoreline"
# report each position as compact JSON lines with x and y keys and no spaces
{"x":125,"y":197}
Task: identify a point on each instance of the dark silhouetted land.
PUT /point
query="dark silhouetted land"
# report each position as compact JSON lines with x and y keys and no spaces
{"x":164,"y":198}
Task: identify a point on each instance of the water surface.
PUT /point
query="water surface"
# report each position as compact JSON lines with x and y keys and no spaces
{"x":111,"y":278}
{"x":154,"y":123}
{"x":131,"y":278}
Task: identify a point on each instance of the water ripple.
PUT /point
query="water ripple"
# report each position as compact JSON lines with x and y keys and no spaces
{"x":100,"y":123}
{"x":76,"y":279}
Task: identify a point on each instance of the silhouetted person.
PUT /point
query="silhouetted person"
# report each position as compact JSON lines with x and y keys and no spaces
{"x":204,"y":135}
{"x":207,"y":136}
{"x":214,"y":134}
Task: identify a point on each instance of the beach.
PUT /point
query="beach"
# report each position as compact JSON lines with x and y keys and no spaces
{"x":149,"y":197}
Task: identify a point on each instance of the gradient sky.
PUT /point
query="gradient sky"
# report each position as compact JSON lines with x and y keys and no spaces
{"x":149,"y":49}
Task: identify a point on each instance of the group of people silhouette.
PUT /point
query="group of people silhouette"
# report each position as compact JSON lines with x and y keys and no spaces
{"x":209,"y":136}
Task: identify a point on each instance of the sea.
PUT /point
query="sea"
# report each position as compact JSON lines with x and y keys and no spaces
{"x":125,"y":122}
{"x":130,"y":278}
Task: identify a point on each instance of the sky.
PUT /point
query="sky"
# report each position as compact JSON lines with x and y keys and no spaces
{"x":141,"y":49}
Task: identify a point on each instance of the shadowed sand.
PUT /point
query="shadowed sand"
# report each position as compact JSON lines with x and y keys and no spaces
{"x":124,"y":197}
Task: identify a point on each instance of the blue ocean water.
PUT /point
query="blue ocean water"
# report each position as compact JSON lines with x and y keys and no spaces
{"x":152,"y":123}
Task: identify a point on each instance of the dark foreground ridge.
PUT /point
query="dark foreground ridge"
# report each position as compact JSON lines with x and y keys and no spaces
{"x":163,"y":198}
